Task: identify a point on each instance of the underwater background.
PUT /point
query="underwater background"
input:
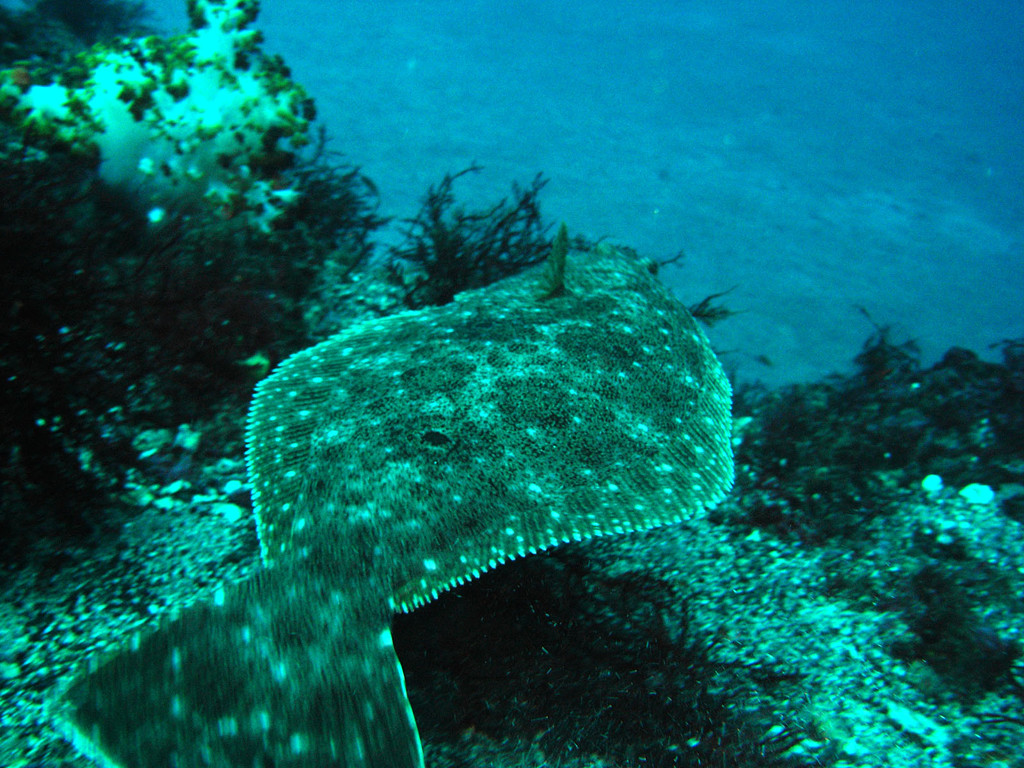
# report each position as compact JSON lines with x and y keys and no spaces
{"x":833,"y":189}
{"x":818,"y":156}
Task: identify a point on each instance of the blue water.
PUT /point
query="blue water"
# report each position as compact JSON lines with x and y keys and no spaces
{"x":820,"y":156}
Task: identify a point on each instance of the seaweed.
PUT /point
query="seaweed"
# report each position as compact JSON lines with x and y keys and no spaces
{"x":114,"y":325}
{"x":709,"y":311}
{"x":447,"y":249}
{"x":565,"y":660}
{"x":97,"y":20}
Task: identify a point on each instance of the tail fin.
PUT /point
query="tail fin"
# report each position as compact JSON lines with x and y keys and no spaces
{"x":268,"y":674}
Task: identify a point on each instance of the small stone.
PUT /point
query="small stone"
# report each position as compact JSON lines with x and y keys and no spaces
{"x":187,"y":439}
{"x":922,"y":726}
{"x":975,"y":493}
{"x":231,"y":512}
{"x":140,"y":496}
{"x":151,"y":441}
{"x":164,"y":503}
{"x":175,"y":487}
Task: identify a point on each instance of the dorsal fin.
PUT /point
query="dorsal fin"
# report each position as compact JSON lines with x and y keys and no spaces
{"x":553,"y":280}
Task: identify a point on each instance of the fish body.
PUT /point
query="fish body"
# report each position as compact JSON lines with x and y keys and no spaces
{"x":396,"y":460}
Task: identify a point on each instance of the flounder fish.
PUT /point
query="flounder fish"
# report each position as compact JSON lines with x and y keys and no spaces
{"x":399,"y":459}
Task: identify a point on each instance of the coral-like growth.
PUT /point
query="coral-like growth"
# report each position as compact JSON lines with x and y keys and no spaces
{"x":204,"y":118}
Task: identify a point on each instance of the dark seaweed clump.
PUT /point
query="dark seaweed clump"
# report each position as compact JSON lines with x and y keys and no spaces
{"x":48,"y":33}
{"x":837,"y":464}
{"x":96,"y":20}
{"x":943,"y":606}
{"x":114,"y":326}
{"x":553,"y":658}
{"x":820,"y":455}
{"x":447,"y":249}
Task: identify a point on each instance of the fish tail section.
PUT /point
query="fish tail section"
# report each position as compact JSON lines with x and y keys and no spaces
{"x":266,"y":674}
